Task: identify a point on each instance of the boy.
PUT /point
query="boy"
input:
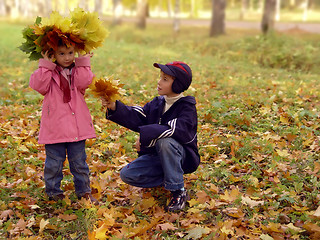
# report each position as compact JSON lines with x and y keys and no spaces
{"x":167,"y":146}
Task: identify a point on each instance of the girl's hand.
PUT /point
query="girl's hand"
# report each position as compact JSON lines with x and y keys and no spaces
{"x":89,"y":54}
{"x":107,"y":104}
{"x":47,"y":56}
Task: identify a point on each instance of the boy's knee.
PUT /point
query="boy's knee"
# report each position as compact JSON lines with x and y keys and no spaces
{"x":124,"y":174}
{"x":166,"y":144}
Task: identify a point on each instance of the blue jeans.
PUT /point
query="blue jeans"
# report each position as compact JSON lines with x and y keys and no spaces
{"x":55,"y":157}
{"x":165,"y":168}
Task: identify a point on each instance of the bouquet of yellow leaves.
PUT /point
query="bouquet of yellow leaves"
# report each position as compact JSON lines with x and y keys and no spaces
{"x":107,"y":87}
{"x":82,"y":30}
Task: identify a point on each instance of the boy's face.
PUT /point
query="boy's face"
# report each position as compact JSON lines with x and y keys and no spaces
{"x":165,"y":85}
{"x":64,"y":56}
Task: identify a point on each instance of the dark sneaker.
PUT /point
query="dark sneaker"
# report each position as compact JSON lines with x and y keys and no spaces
{"x":178,"y":200}
{"x":57,"y":197}
{"x":89,"y":196}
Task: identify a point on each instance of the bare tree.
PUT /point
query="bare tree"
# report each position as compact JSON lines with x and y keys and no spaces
{"x":176,"y":19}
{"x":169,"y":8}
{"x":244,"y":8}
{"x":268,"y":18}
{"x":193,"y":12}
{"x":3,"y":10}
{"x":116,"y":12}
{"x":278,"y":6}
{"x":98,"y":7}
{"x":142,"y":13}
{"x":48,"y":7}
{"x":84,"y":4}
{"x":218,"y":18}
{"x":305,"y":10}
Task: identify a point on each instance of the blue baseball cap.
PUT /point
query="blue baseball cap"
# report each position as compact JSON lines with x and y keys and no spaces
{"x":180,"y":71}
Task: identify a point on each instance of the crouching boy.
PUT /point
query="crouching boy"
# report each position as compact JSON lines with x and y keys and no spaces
{"x":167,"y":127}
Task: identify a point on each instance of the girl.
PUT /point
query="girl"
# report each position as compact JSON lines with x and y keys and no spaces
{"x":66,"y":122}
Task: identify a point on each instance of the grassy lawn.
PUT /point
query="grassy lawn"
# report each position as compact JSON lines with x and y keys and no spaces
{"x":258,"y":111}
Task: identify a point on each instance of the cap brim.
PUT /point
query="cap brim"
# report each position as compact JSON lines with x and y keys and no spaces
{"x":164,"y":69}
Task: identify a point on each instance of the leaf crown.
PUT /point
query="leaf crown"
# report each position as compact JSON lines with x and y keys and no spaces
{"x":82,"y":30}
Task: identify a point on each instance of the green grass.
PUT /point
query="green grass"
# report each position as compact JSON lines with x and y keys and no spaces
{"x":258,"y":108}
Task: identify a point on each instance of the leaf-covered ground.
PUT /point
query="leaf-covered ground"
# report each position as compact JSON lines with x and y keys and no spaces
{"x":258,"y":108}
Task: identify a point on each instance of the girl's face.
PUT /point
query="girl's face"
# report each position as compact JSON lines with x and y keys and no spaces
{"x":64,"y":56}
{"x":165,"y":85}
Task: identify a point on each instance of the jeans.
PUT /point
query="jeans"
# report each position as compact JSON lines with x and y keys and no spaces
{"x":55,"y":157}
{"x":165,"y":168}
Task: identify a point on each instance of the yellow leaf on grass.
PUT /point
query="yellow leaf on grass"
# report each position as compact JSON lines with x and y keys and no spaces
{"x":43,"y":224}
{"x":101,"y":232}
{"x":284,"y":119}
{"x":266,"y":237}
{"x":91,"y":235}
{"x":317,"y":212}
{"x":294,"y":228}
{"x":165,"y":227}
{"x":234,"y":212}
{"x":148,"y":202}
{"x":251,"y":203}
{"x":193,"y":202}
{"x":67,"y":217}
{"x":197,"y":232}
{"x":283,"y":152}
{"x":230,"y":196}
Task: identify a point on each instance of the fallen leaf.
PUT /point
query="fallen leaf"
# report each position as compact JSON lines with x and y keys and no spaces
{"x":43,"y":224}
{"x":266,"y":237}
{"x":317,"y":212}
{"x":67,"y":217}
{"x":197,"y":232}
{"x":165,"y":227}
{"x":251,"y":203}
{"x":294,"y":228}
{"x":6,"y":214}
{"x":101,"y":232}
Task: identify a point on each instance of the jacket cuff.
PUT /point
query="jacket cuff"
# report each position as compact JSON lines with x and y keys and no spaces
{"x":46,"y":64}
{"x":82,"y":62}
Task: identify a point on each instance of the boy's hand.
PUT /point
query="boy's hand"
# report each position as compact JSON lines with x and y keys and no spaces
{"x":137,"y":144}
{"x":47,"y":56}
{"x":109,"y":105}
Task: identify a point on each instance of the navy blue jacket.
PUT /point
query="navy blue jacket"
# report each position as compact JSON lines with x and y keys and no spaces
{"x":179,"y":122}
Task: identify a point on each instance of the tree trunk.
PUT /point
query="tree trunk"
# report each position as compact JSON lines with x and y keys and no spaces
{"x":98,"y":7}
{"x":260,"y":6}
{"x":66,"y":7}
{"x":278,"y":6}
{"x":267,"y":23}
{"x":142,"y":13}
{"x":176,"y":20}
{"x":244,"y":8}
{"x":3,"y":11}
{"x":305,"y":10}
{"x":169,"y":8}
{"x":84,"y":4}
{"x":116,"y":12}
{"x":48,"y":7}
{"x":218,"y":18}
{"x":292,"y":4}
{"x":192,"y":9}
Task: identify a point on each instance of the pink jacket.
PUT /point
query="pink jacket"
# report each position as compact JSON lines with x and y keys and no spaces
{"x":63,"y":122}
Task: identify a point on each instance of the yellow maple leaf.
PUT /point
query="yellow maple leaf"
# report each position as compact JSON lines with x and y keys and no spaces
{"x":230,"y":197}
{"x":107,"y":87}
{"x":101,"y":231}
{"x":251,"y":203}
{"x":43,"y":224}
